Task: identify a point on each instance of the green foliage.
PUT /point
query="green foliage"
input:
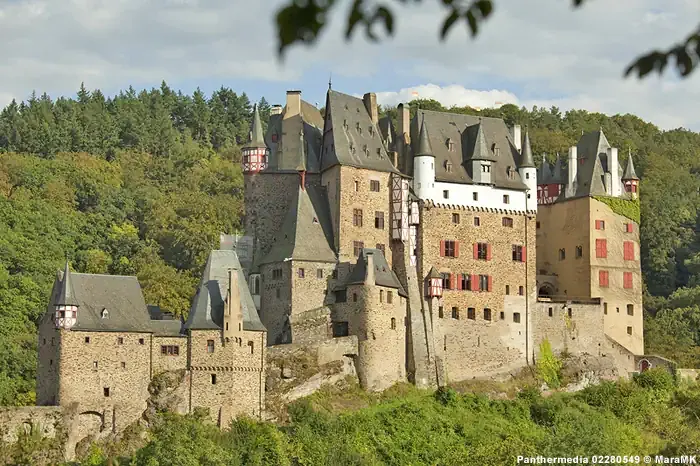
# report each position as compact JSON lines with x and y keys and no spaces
{"x":548,"y":366}
{"x":626,"y":207}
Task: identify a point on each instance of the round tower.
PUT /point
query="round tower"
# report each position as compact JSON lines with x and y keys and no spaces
{"x":255,"y":152}
{"x":528,"y":174}
{"x":66,"y":305}
{"x":630,"y":180}
{"x":424,"y":165}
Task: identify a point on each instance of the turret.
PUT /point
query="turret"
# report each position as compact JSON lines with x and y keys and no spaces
{"x":482,"y":159}
{"x":528,"y":174}
{"x":424,"y":165}
{"x":66,"y":305}
{"x":255,"y":152}
{"x":630,"y":179}
{"x":434,"y":284}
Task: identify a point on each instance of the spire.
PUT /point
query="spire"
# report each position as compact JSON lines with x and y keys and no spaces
{"x":255,"y":138}
{"x":481,"y":148}
{"x":330,"y":81}
{"x":527,"y":161}
{"x":558,"y":171}
{"x":66,"y":295}
{"x":544,"y":173}
{"x":424,"y":147}
{"x":630,"y":173}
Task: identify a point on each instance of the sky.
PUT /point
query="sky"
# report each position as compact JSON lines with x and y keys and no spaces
{"x":534,"y":52}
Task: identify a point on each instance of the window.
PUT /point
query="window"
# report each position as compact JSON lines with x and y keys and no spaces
{"x":475,"y":196}
{"x":393,"y":323}
{"x":53,"y":341}
{"x":87,"y":339}
{"x":562,"y":254}
{"x":171,"y":350}
{"x":105,"y":392}
{"x":379,"y":220}
{"x":449,"y":248}
{"x":319,"y":273}
{"x":448,"y":167}
{"x":628,"y":250}
{"x":340,"y":329}
{"x":252,"y":347}
{"x":485,"y":282}
{"x":455,"y":218}
{"x":382,"y":248}
{"x":374,"y":186}
{"x":516,"y":317}
{"x":605,"y":308}
{"x":389,"y":297}
{"x":276,"y":274}
{"x":120,"y":341}
{"x":334,"y":274}
{"x":213,"y":379}
{"x":210,"y":346}
{"x":255,"y":284}
{"x":601,"y":248}
{"x":569,"y":312}
{"x":477,"y":221}
{"x":579,"y":252}
{"x":94,"y":365}
{"x":629,"y":330}
{"x":630,"y":309}
{"x":381,"y":296}
{"x":354,"y":297}
{"x":274,"y":137}
{"x":481,"y":251}
{"x":471,"y":313}
{"x":551,"y":312}
{"x":357,"y":217}
{"x":600,"y":224}
{"x":507,"y":289}
{"x":446,"y":281}
{"x":123,"y":365}
{"x":627,"y":280}
{"x":455,"y":313}
{"x":507,"y":222}
{"x":518,"y":253}
{"x":629,"y":227}
{"x":441,"y":312}
{"x":502,"y":315}
{"x":278,"y":293}
{"x":527,"y":176}
{"x":341,"y":296}
{"x":141,"y":341}
{"x":486,"y":168}
{"x":537,"y":225}
{"x":357,"y":246}
{"x":506,"y":199}
{"x":603,"y":278}
{"x":357,"y":186}
{"x":446,"y":194}
{"x":301,"y":273}
{"x":450,"y":145}
{"x":487,"y":314}
{"x":521,"y":290}
{"x":465,"y":281}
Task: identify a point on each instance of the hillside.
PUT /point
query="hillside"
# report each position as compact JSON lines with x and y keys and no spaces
{"x":143,"y":183}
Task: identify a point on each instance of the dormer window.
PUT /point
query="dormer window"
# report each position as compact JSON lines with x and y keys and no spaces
{"x":371,"y":131}
{"x":496,"y":150}
{"x":448,"y":166}
{"x":450,"y":144}
{"x":365,"y":149}
{"x":105,"y":313}
{"x":485,"y":168}
{"x":345,"y":124}
{"x":359,"y":128}
{"x":510,"y":172}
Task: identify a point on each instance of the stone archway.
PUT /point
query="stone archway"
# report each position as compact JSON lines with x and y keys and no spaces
{"x":644,"y":365}
{"x":545,"y":290}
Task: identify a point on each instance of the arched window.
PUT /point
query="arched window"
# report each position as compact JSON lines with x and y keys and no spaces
{"x":393,"y":323}
{"x":105,"y":313}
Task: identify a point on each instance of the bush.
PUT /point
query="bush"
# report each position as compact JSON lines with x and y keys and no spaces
{"x":548,"y":366}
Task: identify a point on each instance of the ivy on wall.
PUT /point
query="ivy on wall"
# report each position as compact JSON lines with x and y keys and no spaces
{"x":626,"y":207}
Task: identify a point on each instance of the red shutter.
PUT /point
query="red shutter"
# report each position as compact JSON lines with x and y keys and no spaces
{"x":452,"y":281}
{"x":490,"y":283}
{"x":627,"y":280}
{"x":601,"y":248}
{"x":475,"y":283}
{"x":476,"y":250}
{"x":524,"y":255}
{"x":597,"y":224}
{"x":459,"y":281}
{"x":442,"y":248}
{"x":456,"y":248}
{"x":488,"y":252}
{"x":602,"y":278}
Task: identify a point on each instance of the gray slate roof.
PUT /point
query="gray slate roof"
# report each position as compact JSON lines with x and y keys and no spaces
{"x":463,"y":131}
{"x":630,"y":173}
{"x":388,"y":132}
{"x":356,"y":141}
{"x":526,"y":159}
{"x":207,"y":308}
{"x":306,"y":234}
{"x":424,"y":147}
{"x":66,"y":293}
{"x":383,"y":275}
{"x":255,"y":138}
{"x":285,"y":151}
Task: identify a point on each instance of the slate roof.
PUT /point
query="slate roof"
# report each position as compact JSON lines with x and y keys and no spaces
{"x":66,"y":293}
{"x":306,"y":233}
{"x":285,"y":151}
{"x":558,"y":174}
{"x":356,"y":141}
{"x":630,"y":173}
{"x":424,"y":147}
{"x":383,"y":275}
{"x":388,"y":132}
{"x":255,"y":137}
{"x":208,"y":305}
{"x":464,"y":132}
{"x":526,"y":159}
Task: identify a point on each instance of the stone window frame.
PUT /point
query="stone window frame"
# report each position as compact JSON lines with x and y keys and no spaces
{"x":455,"y":218}
{"x":455,"y":312}
{"x":379,"y":220}
{"x":551,"y":312}
{"x":213,"y":379}
{"x":142,"y":341}
{"x":105,"y":392}
{"x":120,"y":340}
{"x":477,"y":221}
{"x":301,"y":273}
{"x":487,"y":314}
{"x":446,"y":280}
{"x":516,"y":317}
{"x":389,"y":297}
{"x":518,"y":254}
{"x":579,"y":252}
{"x":170,"y":350}
{"x":600,"y":224}
{"x":465,"y":281}
{"x":629,"y":330}
{"x":357,"y":186}
{"x":482,"y":251}
{"x":210,"y":346}
{"x":630,"y":309}
{"x":357,"y":217}
{"x":484,"y":283}
{"x":521,"y":290}
{"x":506,"y":198}
{"x":507,"y":222}
{"x":357,"y":246}
{"x":393,"y":323}
{"x":87,"y":340}
{"x":445,"y":193}
{"x":507,"y":289}
{"x":374,"y":186}
{"x":562,"y":254}
{"x":471,"y":313}
{"x":475,"y":196}
{"x":319,"y":273}
{"x":450,"y":248}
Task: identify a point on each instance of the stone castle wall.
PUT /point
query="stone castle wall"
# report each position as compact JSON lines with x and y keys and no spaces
{"x":168,"y":362}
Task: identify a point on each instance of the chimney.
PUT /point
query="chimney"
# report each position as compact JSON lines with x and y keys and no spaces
{"x":572,"y":169}
{"x":233,"y":320}
{"x":293,"y":103}
{"x":369,"y":276}
{"x":370,"y":100}
{"x":275,"y":110}
{"x":614,"y":169}
{"x":516,"y":132}
{"x":404,"y":123}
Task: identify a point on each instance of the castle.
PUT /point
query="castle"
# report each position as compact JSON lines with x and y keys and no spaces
{"x":432,"y":240}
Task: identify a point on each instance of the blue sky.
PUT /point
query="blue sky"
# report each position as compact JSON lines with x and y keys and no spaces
{"x":535,"y":52}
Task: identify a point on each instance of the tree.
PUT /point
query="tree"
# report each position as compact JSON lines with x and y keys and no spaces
{"x":303,"y":22}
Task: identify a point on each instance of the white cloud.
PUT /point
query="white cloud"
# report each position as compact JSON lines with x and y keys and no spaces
{"x":449,"y":96}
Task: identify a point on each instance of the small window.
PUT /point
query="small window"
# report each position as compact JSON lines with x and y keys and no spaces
{"x":537,"y":225}
{"x":141,"y":341}
{"x":105,"y":313}
{"x":448,"y":167}
{"x":357,"y":217}
{"x":105,"y":392}
{"x":374,"y":186}
{"x":53,"y":341}
{"x":562,"y":254}
{"x":382,"y":248}
{"x":600,"y":224}
{"x":278,"y":293}
{"x":629,"y":330}
{"x":477,"y":221}
{"x":630,"y":309}
{"x":450,"y":145}
{"x":393,"y":323}
{"x":341,"y":296}
{"x":357,"y":186}
{"x":381,"y":296}
{"x":213,"y":379}
{"x":527,"y":176}
{"x":389,"y":297}
{"x":502,"y":315}
{"x":94,"y":365}
{"x":516,"y":317}
{"x":340,"y":329}
{"x":551,"y":312}
{"x":450,"y":248}
{"x":354,"y":297}
{"x":379,"y":220}
{"x":120,"y":341}
{"x":579,"y":252}
{"x":210,"y":346}
{"x":252,"y":347}
{"x":319,"y":273}
{"x":446,"y":194}
{"x":87,"y":339}
{"x":507,"y":222}
{"x":471,"y":313}
{"x":605,"y":308}
{"x":521,"y":290}
{"x":570,"y":312}
{"x":475,"y":196}
{"x":506,"y":199}
{"x":517,"y":253}
{"x":276,"y":274}
{"x":357,"y":247}
{"x":455,"y":313}
{"x":301,"y":273}
{"x":50,"y":362}
{"x":487,"y":314}
{"x":123,"y":365}
{"x":507,"y":289}
{"x":455,"y":218}
{"x":441,"y":312}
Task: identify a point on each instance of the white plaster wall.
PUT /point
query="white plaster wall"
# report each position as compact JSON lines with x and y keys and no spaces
{"x":529,"y":177}
{"x":489,"y":197}
{"x":424,"y":177}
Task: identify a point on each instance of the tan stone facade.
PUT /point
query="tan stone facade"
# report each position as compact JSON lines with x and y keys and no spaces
{"x":168,"y":354}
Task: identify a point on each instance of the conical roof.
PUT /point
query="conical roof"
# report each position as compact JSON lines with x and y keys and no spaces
{"x":481,"y":148}
{"x":544,"y":174}
{"x":66,"y":295}
{"x":630,"y":173}
{"x":527,"y":160}
{"x":424,"y":147}
{"x":433,"y":273}
{"x":256,"y":138}
{"x":558,"y":172}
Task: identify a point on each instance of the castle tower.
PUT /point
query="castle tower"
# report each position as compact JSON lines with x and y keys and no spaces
{"x":482,"y":159}
{"x":630,"y":179}
{"x":424,"y":165}
{"x":66,"y":306}
{"x":255,"y":152}
{"x":528,"y":173}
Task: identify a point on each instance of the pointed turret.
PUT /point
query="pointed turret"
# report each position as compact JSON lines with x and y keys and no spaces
{"x":527,"y":160}
{"x":424,"y":147}
{"x":423,"y":163}
{"x":544,"y":174}
{"x":66,"y":295}
{"x":629,"y":173}
{"x":256,"y":140}
{"x":66,"y":304}
{"x":558,"y":172}
{"x":254,"y":154}
{"x":481,"y":147}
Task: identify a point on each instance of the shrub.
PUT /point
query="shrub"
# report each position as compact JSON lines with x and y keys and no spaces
{"x":548,"y":366}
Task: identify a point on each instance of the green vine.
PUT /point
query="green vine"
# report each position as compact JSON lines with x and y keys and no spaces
{"x":626,"y":207}
{"x":548,"y":366}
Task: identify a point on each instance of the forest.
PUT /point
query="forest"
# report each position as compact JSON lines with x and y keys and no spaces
{"x":142,"y":183}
